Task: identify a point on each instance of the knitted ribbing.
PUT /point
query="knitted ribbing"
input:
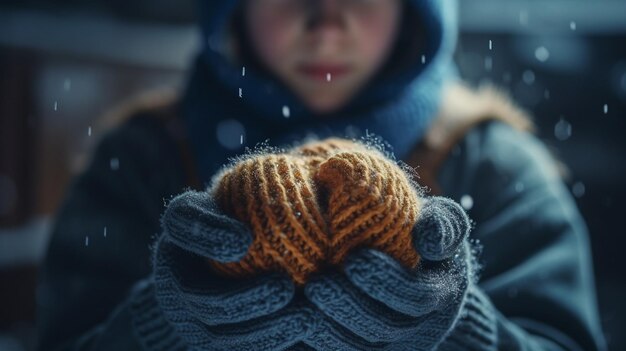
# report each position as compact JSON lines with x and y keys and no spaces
{"x":476,"y":329}
{"x":153,"y":331}
{"x":310,"y":206}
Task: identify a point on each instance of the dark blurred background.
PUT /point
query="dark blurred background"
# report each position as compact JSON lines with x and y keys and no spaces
{"x":65,"y":63}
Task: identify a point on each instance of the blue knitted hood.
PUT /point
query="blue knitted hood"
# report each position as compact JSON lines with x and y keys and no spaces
{"x":242,"y":110}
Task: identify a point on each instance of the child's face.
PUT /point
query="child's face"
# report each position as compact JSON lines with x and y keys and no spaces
{"x":324,"y":50}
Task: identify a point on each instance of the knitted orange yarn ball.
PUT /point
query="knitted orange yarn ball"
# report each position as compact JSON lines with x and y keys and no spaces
{"x":309,"y":207}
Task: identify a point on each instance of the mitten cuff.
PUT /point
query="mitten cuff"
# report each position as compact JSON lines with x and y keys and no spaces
{"x":153,"y":331}
{"x":476,"y":329}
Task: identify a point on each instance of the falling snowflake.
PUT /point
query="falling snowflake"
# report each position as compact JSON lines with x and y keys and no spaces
{"x":578,"y":189}
{"x":523,"y":17}
{"x":286,"y":112}
{"x":229,"y":133}
{"x":467,"y":202}
{"x":562,"y":129}
{"x":115,"y":163}
{"x":488,"y":63}
{"x":542,"y":54}
{"x":528,"y":77}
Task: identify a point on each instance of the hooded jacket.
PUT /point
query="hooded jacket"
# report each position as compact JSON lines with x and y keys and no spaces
{"x":397,"y":104}
{"x":537,"y":265}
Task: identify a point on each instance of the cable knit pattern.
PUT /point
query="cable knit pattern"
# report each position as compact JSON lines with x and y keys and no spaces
{"x":310,"y":206}
{"x":476,"y":328}
{"x":208,"y":311}
{"x":378,"y":304}
{"x":154,"y":332}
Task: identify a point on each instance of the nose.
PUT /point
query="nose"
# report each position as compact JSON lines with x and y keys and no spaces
{"x":325,"y":14}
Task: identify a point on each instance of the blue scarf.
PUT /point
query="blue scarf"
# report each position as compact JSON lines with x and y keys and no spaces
{"x":226,"y":109}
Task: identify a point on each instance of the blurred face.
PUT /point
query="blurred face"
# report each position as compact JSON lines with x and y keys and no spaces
{"x":324,"y":50}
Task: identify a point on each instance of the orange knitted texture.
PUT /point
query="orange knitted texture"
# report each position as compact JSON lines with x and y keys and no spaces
{"x":309,"y":207}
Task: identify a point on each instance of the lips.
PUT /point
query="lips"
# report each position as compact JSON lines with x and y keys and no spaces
{"x":322,"y":71}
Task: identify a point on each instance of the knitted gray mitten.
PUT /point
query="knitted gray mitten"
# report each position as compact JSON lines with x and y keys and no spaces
{"x":206,"y":311}
{"x":378,"y":304}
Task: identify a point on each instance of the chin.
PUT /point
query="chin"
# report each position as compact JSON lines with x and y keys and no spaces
{"x":324,"y":102}
{"x":324,"y":106}
{"x":322,"y":97}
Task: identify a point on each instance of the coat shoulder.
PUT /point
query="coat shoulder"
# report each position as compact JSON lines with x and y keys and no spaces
{"x":462,"y":111}
{"x":464,"y":107}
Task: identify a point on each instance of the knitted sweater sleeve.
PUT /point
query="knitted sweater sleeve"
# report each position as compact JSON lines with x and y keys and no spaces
{"x":99,"y":247}
{"x":537,"y":289}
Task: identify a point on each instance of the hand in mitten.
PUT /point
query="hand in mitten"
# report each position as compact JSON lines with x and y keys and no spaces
{"x":378,"y":304}
{"x":211,"y":312}
{"x":310,"y":206}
